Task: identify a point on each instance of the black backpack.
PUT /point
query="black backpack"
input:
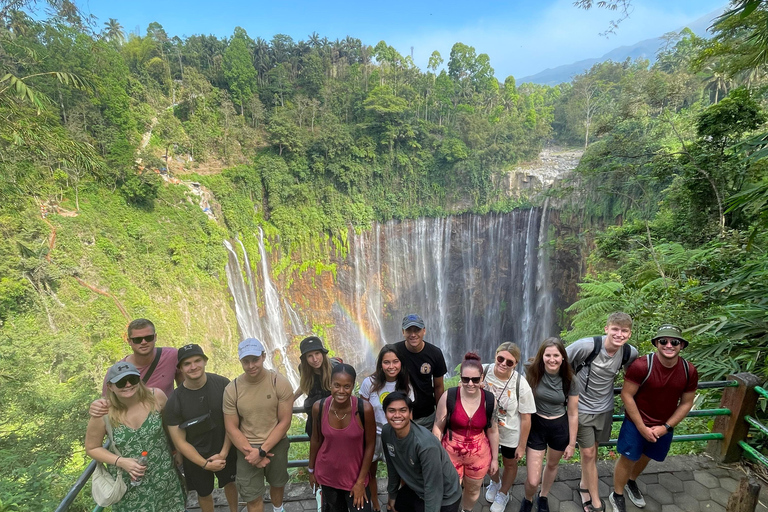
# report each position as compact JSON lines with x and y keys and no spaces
{"x":453,"y":393}
{"x":625,"y":355}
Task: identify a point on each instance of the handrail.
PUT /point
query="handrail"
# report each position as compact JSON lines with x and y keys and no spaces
{"x":754,"y":422}
{"x":303,"y":438}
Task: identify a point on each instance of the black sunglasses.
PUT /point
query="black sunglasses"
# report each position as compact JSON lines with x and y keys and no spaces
{"x":674,"y":341}
{"x":130,"y":379}
{"x":149,"y":338}
{"x":508,"y":362}
{"x":475,"y":380}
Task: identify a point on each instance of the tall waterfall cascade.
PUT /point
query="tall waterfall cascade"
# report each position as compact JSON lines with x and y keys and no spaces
{"x":477,"y":280}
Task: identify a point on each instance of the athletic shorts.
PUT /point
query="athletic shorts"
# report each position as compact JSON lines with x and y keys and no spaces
{"x":552,"y":433}
{"x":471,"y":455}
{"x":633,"y":445}
{"x":594,"y":428}
{"x":427,"y":421}
{"x":201,"y":480}
{"x":339,"y":500}
{"x":507,"y":452}
{"x":250,"y":479}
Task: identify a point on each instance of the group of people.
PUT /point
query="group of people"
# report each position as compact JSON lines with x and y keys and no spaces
{"x":438,"y":444}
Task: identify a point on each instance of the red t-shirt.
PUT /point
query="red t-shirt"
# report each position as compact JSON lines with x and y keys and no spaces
{"x":658,"y":398}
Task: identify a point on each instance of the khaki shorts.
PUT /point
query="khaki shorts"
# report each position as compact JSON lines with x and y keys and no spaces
{"x":250,"y":479}
{"x":594,"y":428}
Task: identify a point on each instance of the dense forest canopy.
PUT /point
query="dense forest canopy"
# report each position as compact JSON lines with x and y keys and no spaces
{"x":306,"y":138}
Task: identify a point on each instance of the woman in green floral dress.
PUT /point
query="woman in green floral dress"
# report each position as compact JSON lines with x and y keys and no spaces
{"x":135,"y":417}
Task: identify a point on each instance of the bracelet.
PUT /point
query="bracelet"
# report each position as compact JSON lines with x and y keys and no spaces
{"x":117,"y":459}
{"x":206,"y":463}
{"x":311,"y":470}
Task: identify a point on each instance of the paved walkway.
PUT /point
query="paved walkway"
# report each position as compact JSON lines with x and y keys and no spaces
{"x":681,"y":484}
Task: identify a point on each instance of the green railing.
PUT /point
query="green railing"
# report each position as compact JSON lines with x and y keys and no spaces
{"x":727,"y":442}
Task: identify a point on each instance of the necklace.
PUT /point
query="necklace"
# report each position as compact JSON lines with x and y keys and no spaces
{"x":337,"y":415}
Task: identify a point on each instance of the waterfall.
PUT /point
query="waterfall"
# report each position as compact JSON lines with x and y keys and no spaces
{"x":476,"y":280}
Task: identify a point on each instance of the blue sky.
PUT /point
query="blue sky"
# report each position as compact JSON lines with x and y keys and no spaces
{"x":521,"y":37}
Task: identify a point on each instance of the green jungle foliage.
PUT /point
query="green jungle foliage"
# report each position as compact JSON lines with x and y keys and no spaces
{"x":304,"y":139}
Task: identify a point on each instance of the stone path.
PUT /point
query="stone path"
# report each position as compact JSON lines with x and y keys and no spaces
{"x":681,"y":484}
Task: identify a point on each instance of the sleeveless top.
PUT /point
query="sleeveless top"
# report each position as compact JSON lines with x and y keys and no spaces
{"x":340,"y":457}
{"x":462,"y":424}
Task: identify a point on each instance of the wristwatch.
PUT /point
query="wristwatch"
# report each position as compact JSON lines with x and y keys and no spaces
{"x":262,"y":453}
{"x":666,"y":425}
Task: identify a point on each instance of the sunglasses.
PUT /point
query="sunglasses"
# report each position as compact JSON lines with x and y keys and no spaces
{"x":475,"y":380}
{"x":149,"y":338}
{"x":504,"y":360}
{"x":674,"y":341}
{"x":130,"y":379}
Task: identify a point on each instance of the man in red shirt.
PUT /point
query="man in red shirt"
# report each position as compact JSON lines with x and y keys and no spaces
{"x":658,"y":394}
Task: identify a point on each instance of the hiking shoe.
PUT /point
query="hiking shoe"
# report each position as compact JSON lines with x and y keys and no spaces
{"x":525,"y":505}
{"x":543,"y":503}
{"x":617,"y":502}
{"x":500,"y":502}
{"x":492,"y":490}
{"x":634,"y":494}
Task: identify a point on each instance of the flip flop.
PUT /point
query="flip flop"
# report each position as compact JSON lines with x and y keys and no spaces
{"x":587,"y":505}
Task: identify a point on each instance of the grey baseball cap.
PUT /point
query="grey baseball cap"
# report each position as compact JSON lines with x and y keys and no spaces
{"x":121,"y":369}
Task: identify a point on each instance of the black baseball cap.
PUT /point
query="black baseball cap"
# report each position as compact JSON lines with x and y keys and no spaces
{"x":310,"y":344}
{"x":190,"y":350}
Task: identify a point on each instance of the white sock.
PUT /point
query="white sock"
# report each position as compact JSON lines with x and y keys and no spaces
{"x":276,"y":509}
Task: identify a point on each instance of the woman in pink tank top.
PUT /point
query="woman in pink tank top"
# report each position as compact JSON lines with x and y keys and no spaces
{"x":466,"y":431}
{"x":342,"y":444}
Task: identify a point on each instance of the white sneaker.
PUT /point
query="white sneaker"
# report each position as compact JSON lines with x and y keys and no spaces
{"x":500,"y":502}
{"x":491,"y":491}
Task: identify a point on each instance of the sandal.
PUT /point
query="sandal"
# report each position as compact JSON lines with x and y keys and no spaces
{"x":597,"y":509}
{"x":587,"y":505}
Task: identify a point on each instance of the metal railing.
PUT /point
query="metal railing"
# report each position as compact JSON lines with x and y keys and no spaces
{"x":720,"y":437}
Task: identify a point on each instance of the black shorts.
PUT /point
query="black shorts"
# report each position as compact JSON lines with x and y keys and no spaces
{"x":339,"y":500}
{"x":201,"y":480}
{"x":408,"y":501}
{"x":507,"y":452}
{"x":552,"y":433}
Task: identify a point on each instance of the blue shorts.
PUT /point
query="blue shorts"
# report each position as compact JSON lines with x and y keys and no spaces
{"x":633,"y":445}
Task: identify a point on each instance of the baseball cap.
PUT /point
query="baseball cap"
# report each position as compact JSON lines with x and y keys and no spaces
{"x":190,"y":350}
{"x":413,"y":320}
{"x":249,"y":347}
{"x":121,"y":369}
{"x":669,"y":331}
{"x":310,"y":344}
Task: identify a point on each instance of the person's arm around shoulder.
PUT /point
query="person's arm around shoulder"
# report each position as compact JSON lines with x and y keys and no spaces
{"x":493,"y":438}
{"x":358,"y":490}
{"x":441,"y":415}
{"x":635,"y":374}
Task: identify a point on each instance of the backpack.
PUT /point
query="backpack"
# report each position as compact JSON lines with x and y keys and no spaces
{"x":649,"y":358}
{"x":625,"y":355}
{"x":490,"y":404}
{"x":360,"y":412}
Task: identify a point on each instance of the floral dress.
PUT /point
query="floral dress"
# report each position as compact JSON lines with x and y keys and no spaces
{"x":160,"y":489}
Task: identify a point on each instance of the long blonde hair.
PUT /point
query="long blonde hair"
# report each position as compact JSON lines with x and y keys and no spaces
{"x":118,"y":409}
{"x":307,"y":374}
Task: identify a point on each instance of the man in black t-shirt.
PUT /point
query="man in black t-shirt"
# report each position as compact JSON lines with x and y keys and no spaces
{"x":196,"y":424}
{"x":426,"y":366}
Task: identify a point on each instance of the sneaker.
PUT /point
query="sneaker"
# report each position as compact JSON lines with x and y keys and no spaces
{"x":492,"y":490}
{"x":634,"y":494}
{"x":500,"y":502}
{"x":526,"y":506}
{"x":617,"y":502}
{"x":543,"y":504}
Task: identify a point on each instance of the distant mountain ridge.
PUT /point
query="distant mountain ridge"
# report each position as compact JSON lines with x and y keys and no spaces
{"x":645,"y":49}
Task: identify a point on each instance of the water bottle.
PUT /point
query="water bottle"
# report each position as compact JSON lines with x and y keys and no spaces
{"x":143,"y":461}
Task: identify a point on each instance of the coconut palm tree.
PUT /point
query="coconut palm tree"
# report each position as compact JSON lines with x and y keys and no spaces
{"x":113,"y":31}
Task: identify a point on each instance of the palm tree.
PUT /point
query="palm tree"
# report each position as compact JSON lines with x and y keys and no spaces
{"x":113,"y":31}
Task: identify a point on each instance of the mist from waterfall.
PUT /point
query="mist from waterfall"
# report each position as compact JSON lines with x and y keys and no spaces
{"x":476,"y":280}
